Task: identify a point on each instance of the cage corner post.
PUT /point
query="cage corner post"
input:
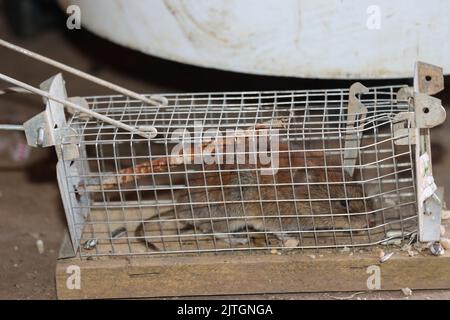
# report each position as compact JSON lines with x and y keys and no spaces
{"x":428,"y":113}
{"x":50,"y":129}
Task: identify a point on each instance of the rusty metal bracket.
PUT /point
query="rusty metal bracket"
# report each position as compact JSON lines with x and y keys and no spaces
{"x":428,"y":78}
{"x":356,"y":112}
{"x":429,"y":111}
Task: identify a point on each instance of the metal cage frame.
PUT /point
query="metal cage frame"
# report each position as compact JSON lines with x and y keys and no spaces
{"x":353,"y":166}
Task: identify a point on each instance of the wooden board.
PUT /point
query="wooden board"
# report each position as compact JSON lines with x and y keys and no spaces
{"x":244,"y":272}
{"x":248,"y":273}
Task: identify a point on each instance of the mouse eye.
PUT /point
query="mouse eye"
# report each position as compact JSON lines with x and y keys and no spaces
{"x":343,"y":203}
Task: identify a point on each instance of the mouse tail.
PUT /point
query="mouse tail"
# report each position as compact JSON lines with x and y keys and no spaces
{"x":141,"y":235}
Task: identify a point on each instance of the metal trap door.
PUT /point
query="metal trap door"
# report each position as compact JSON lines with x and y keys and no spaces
{"x":428,"y":113}
{"x":425,"y":113}
{"x":71,"y":165}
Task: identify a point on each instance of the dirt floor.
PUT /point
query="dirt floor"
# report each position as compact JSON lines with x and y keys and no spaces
{"x":30,"y":206}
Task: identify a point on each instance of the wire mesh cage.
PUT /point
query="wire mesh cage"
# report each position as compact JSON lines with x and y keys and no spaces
{"x":241,"y":171}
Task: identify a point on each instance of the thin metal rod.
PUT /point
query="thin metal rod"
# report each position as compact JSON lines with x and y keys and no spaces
{"x":94,"y":114}
{"x":13,"y":90}
{"x":84,"y":75}
{"x":12,"y":127}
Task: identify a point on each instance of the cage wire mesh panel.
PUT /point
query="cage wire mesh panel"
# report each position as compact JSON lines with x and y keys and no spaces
{"x":154,"y":196}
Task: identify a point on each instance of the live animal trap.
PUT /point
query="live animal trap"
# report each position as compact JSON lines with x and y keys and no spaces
{"x":244,"y":171}
{"x":241,"y":171}
{"x":250,"y":171}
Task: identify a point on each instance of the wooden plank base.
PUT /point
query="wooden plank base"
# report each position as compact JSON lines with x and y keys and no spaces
{"x":248,"y":273}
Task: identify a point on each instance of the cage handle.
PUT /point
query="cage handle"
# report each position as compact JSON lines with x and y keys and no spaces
{"x":151,"y":134}
{"x":154,"y":100}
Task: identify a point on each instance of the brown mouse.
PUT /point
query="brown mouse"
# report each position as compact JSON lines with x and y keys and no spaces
{"x":228,"y":198}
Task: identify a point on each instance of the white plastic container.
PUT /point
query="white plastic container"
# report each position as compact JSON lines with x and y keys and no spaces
{"x":301,"y":38}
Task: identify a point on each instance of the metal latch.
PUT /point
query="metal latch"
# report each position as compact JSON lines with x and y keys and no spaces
{"x":356,"y":114}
